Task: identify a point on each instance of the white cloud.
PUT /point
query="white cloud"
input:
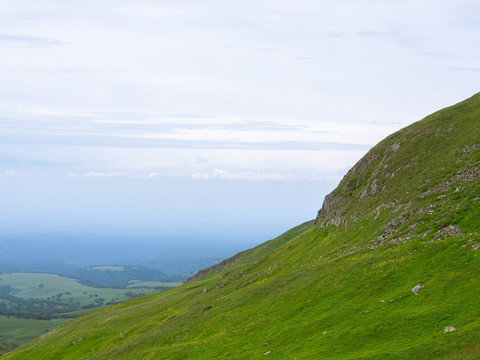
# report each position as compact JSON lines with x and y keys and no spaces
{"x":257,"y":77}
{"x":250,"y":176}
{"x":24,"y":40}
{"x":299,"y":131}
{"x":51,"y":112}
{"x":93,"y":174}
{"x":204,"y":57}
{"x":153,"y":175}
{"x":233,"y":164}
{"x":10,"y":173}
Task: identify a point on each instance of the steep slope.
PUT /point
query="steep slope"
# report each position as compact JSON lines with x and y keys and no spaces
{"x":406,"y":214}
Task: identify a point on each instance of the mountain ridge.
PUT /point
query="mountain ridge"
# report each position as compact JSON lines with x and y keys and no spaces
{"x":434,"y":128}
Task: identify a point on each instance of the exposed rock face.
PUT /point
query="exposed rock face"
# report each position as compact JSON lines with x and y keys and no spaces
{"x":370,"y":189}
{"x":359,"y":178}
{"x":448,"y":231}
{"x":326,"y":216}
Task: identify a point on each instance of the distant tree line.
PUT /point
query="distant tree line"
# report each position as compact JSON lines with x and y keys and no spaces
{"x":31,"y":308}
{"x":93,"y":276}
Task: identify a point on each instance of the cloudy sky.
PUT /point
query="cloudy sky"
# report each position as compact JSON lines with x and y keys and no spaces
{"x":223,"y":120}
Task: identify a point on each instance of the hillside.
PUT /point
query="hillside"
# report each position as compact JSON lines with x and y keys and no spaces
{"x":406,"y":216}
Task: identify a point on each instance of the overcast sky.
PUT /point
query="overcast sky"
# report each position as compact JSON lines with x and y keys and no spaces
{"x":211,"y":119}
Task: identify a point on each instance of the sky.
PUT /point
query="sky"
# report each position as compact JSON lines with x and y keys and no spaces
{"x":211,"y":121}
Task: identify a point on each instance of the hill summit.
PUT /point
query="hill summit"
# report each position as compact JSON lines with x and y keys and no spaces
{"x":387,"y":270}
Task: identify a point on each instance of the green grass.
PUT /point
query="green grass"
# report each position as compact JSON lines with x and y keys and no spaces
{"x":286,"y":310}
{"x":325,"y":292}
{"x":21,"y":331}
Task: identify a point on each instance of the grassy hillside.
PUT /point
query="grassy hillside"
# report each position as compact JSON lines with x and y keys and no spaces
{"x":341,"y":288}
{"x":16,"y":331}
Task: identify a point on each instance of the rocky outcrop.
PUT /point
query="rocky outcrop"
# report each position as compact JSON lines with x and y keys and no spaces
{"x":370,"y":189}
{"x":328,"y":215}
{"x":405,"y":165}
{"x":363,"y":179}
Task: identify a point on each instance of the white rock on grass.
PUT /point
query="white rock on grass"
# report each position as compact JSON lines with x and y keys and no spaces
{"x":417,"y":288}
{"x":449,"y":329}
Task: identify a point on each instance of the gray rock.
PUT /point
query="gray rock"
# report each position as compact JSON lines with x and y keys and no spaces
{"x":370,"y":189}
{"x":328,"y":215}
{"x":417,"y":288}
{"x":449,"y":329}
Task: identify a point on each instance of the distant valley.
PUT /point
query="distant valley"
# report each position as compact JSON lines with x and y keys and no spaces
{"x":63,"y":253}
{"x":33,"y":303}
{"x":46,"y":280}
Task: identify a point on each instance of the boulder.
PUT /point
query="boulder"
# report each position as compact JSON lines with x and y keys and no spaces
{"x":449,"y":329}
{"x":417,"y":288}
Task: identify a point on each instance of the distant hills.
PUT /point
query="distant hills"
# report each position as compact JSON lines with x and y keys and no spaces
{"x":60,"y":253}
{"x":116,"y":276}
{"x":119,"y":276}
{"x":389,"y":269}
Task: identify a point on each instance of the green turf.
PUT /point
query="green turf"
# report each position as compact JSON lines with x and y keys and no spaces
{"x":408,"y":213}
{"x":21,"y":331}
